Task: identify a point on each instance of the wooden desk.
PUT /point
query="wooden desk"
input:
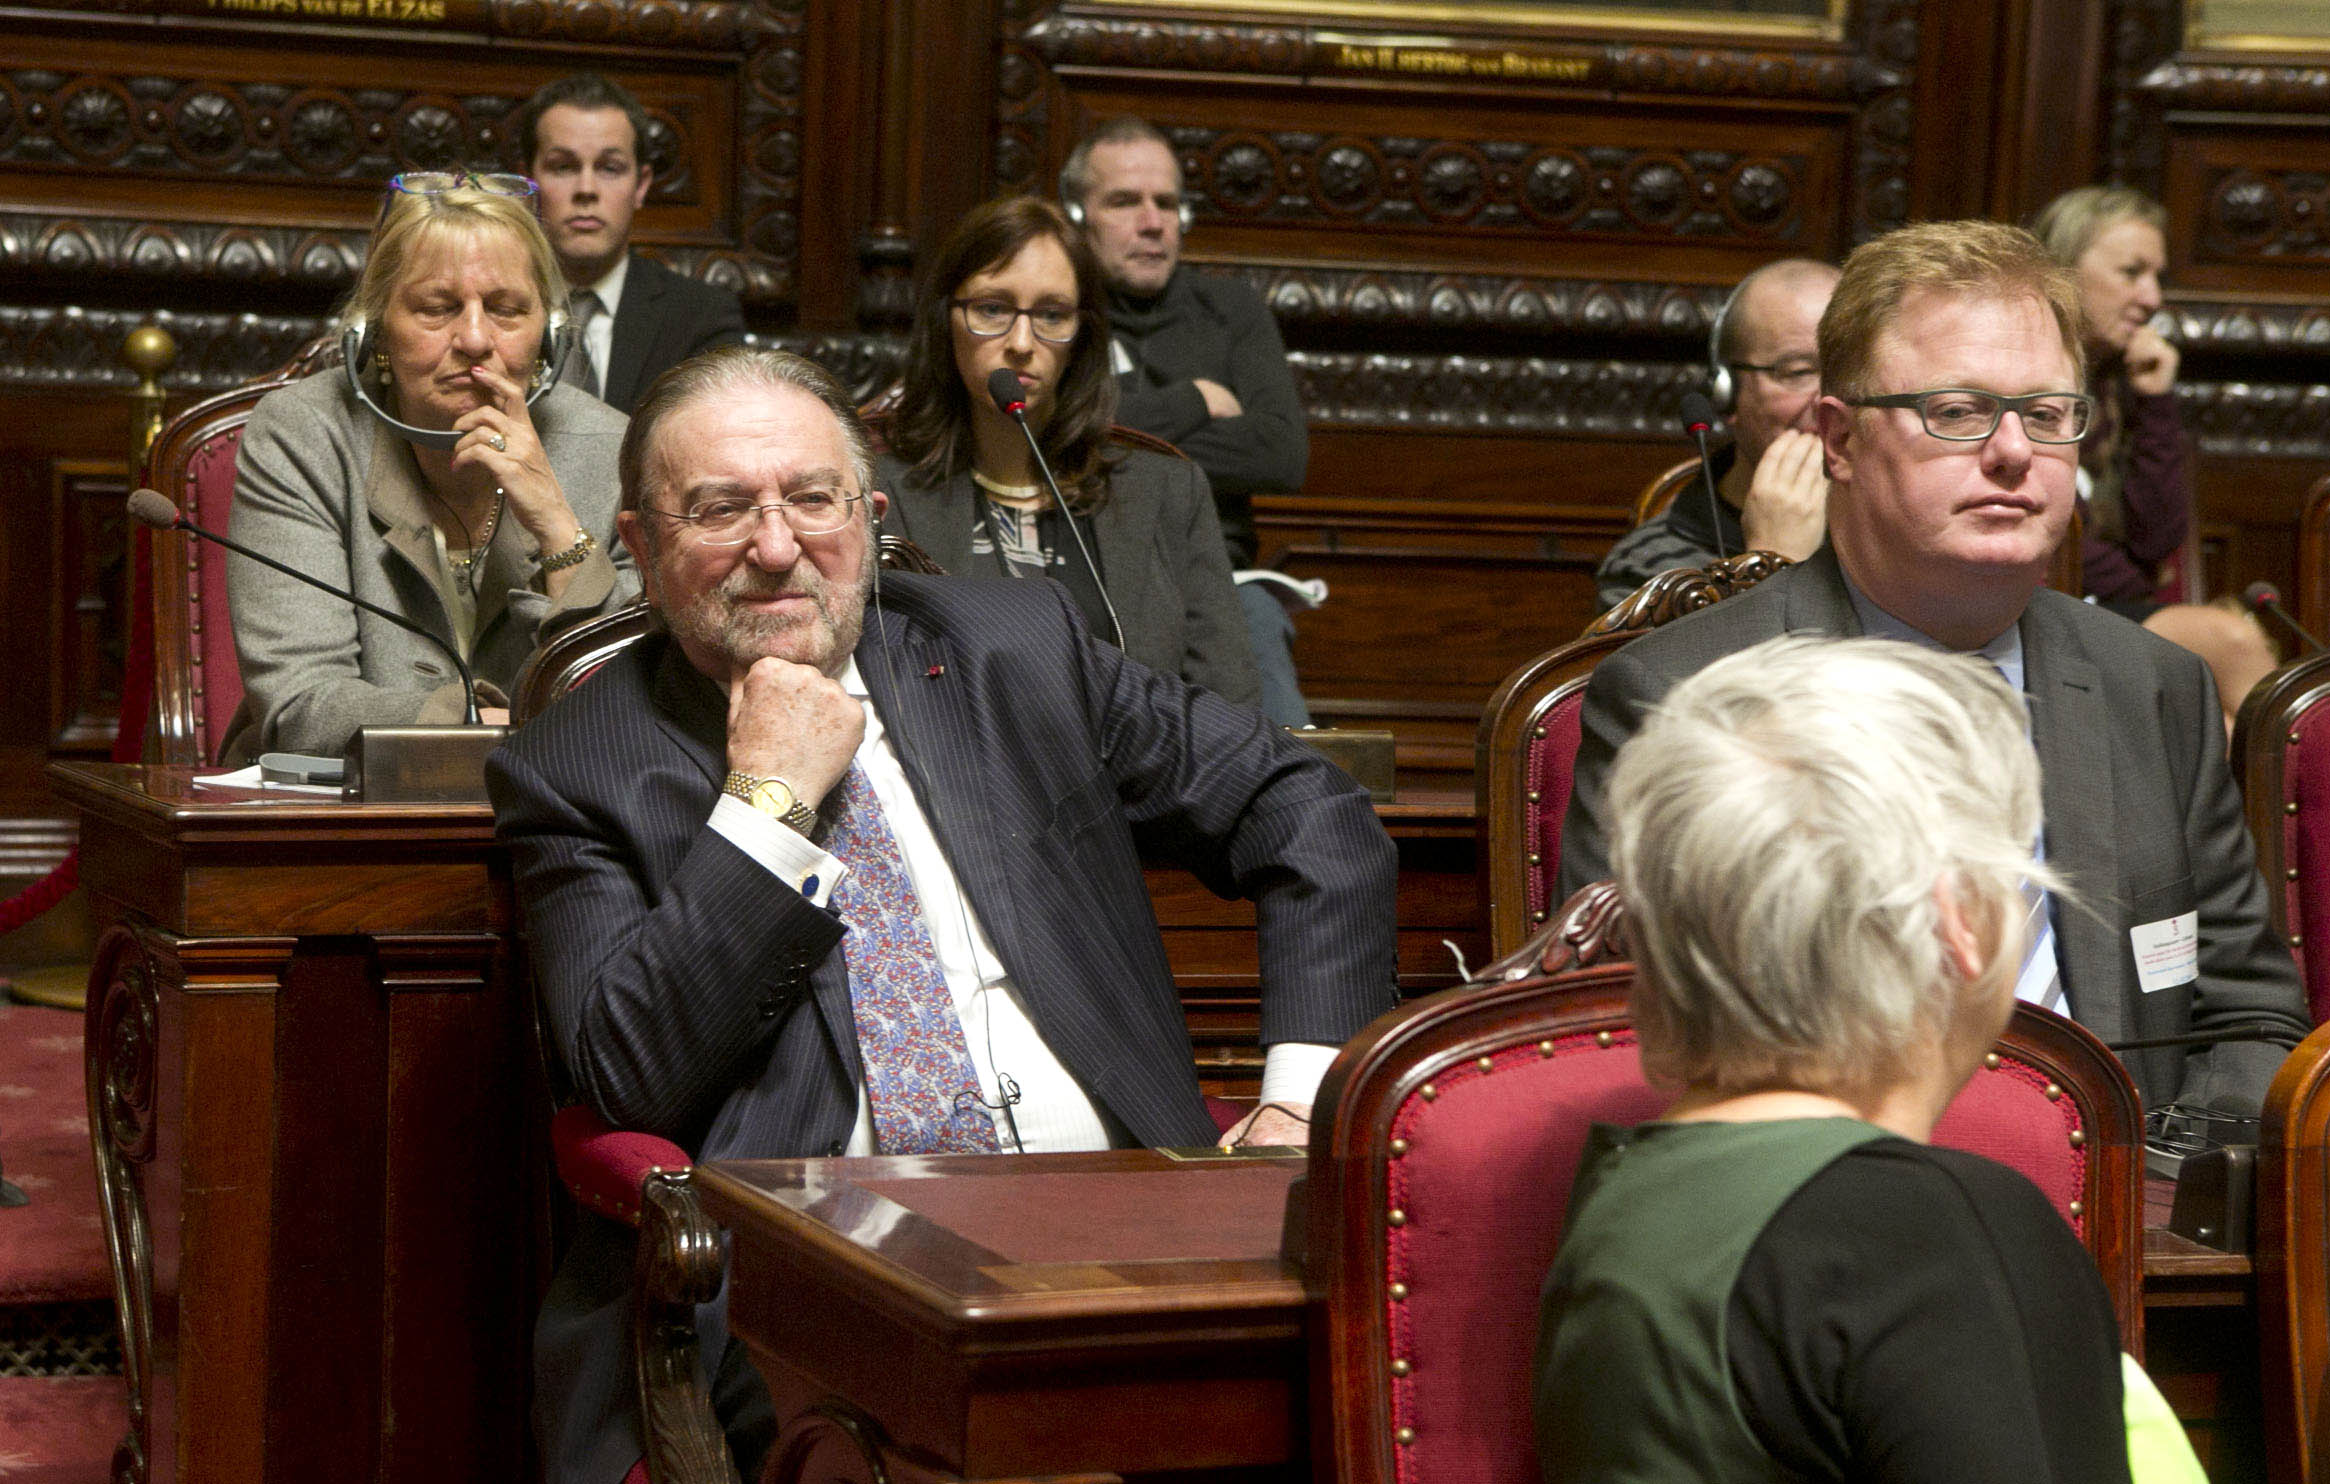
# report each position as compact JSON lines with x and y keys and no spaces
{"x":309,"y":1088}
{"x":316,"y":1107}
{"x":935,"y":1329}
{"x":1085,"y":1314}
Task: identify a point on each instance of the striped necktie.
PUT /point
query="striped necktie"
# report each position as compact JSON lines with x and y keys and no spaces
{"x":582,"y":307}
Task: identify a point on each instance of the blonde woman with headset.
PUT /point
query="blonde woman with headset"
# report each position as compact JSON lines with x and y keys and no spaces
{"x":441,"y":473}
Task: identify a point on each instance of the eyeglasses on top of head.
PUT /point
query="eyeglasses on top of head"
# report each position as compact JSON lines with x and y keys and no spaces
{"x":1968,"y":415}
{"x":1055,"y":324}
{"x":730,"y":521}
{"x":438,"y":182}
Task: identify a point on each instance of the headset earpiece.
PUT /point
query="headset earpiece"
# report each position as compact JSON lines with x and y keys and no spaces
{"x":1722,"y":386}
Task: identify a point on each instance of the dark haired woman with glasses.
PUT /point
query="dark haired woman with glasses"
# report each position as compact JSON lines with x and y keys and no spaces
{"x":427,"y":477}
{"x":1014,"y":288}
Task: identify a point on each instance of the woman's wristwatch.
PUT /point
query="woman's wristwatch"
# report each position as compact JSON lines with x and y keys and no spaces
{"x":774,"y":797}
{"x":573,"y":556}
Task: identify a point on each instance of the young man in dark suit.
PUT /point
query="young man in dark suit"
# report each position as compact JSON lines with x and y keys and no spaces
{"x":584,"y":141}
{"x":1950,"y":417}
{"x":817,"y":810}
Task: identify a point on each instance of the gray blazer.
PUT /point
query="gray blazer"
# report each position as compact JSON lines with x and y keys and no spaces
{"x":1160,"y":548}
{"x":2142,"y":816}
{"x":322,"y":484}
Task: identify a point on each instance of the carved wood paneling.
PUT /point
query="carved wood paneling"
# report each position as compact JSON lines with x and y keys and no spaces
{"x":261,"y":167}
{"x":88,"y":621}
{"x":1500,"y":394}
{"x":1316,"y":295}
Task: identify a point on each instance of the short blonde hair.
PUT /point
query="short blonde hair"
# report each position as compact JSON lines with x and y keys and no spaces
{"x":1977,"y":259}
{"x":414,"y":223}
{"x":1780,"y":828}
{"x":2070,"y":223}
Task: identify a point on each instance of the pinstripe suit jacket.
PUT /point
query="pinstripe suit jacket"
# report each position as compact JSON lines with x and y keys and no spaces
{"x":2142,"y":816}
{"x":692,"y":995}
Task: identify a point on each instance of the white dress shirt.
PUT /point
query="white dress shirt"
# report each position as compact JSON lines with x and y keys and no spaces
{"x":1053,"y":1111}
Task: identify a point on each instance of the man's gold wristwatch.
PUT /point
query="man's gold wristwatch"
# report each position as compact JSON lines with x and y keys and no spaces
{"x":773,"y":797}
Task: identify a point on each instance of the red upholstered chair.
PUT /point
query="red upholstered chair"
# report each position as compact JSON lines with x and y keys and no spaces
{"x":1529,"y":737}
{"x":2281,"y":748}
{"x":1443,"y":1145}
{"x":198,"y":682}
{"x":2292,"y":1246}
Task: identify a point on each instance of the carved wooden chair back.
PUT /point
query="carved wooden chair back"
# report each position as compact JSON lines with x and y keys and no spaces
{"x":1528,"y":740}
{"x":2293,"y":1263}
{"x":198,"y":682}
{"x":1443,"y":1145}
{"x":2281,"y":751}
{"x":1657,"y":495}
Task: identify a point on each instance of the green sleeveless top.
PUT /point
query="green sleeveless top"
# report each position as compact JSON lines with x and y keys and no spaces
{"x":1633,"y":1384}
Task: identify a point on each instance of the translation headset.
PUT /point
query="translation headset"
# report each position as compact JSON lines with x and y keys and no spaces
{"x":1073,"y":208}
{"x":1722,"y":386}
{"x":356,"y":353}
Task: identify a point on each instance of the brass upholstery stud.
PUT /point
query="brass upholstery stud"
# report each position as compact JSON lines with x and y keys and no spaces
{"x":1545,"y":1048}
{"x":1538,"y":915}
{"x":1991,"y":1061}
{"x":1605,"y":1040}
{"x":1533,"y":797}
{"x":1398,"y":1292}
{"x":2289,"y":808}
{"x":1397,"y":1217}
{"x":1538,"y":733}
{"x":1486,"y":1064}
{"x":2078,"y":1207}
{"x":2054,"y":1093}
{"x":1535,"y":859}
{"x":2297,"y":941}
{"x":1428,"y":1092}
{"x":2079,"y":1138}
{"x":1399,"y":1147}
{"x":2293,"y":739}
{"x":2291,"y":873}
{"x":1405,"y":1435}
{"x":1401,"y":1368}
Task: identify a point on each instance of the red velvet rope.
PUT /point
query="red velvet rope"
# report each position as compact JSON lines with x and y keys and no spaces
{"x":129,"y":737}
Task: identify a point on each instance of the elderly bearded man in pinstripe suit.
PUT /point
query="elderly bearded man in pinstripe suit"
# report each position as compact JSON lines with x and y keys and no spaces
{"x":808,"y":876}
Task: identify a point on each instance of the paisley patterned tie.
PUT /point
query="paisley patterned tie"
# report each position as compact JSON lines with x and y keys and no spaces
{"x":920,"y":1083}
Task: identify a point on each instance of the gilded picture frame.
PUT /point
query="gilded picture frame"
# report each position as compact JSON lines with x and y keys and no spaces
{"x":2301,"y":26}
{"x":1822,"y":20}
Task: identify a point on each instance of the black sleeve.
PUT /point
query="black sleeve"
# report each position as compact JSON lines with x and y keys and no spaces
{"x":1923,"y":1316}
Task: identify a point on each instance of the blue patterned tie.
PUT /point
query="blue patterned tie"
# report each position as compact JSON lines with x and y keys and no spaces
{"x":920,"y":1083}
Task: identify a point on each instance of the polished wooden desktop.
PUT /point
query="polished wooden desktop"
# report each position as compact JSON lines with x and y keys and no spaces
{"x":314,"y":1100}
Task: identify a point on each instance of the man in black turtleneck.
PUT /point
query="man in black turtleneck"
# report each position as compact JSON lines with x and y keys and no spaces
{"x":1198,"y":358}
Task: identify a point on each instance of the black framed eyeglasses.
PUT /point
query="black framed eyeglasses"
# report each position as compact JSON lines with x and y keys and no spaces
{"x":731,"y":521}
{"x":1793,"y":375}
{"x":1055,"y":324}
{"x":1966,"y":415}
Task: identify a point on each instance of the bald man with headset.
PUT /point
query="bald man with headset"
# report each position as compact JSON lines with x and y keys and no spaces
{"x":1764,"y":377}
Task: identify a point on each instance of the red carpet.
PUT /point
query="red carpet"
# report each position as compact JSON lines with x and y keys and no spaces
{"x":58,"y":1423}
{"x":60,"y":1429}
{"x":52,"y":1250}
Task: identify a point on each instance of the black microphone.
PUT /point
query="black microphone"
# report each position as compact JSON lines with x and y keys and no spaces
{"x":151,"y":507}
{"x":1698,"y":417}
{"x":2264,"y":597}
{"x":1003,"y":386}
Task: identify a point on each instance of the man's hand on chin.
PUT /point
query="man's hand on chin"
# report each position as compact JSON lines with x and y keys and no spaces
{"x":1272,"y":1123}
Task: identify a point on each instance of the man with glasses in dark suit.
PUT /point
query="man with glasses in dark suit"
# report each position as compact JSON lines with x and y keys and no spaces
{"x":838,"y":865}
{"x":1950,"y":417}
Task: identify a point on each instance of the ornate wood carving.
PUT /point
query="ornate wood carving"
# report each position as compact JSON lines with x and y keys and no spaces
{"x":186,"y":126}
{"x":123,"y":1038}
{"x":1530,"y":187}
{"x":2257,"y":418}
{"x":1589,"y":929}
{"x":1670,"y":595}
{"x":2140,"y":35}
{"x":1314,"y":294}
{"x":1697,"y":189}
{"x":678,"y":1267}
{"x":1501,"y":394}
{"x":2248,"y":329}
{"x":2257,"y":213}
